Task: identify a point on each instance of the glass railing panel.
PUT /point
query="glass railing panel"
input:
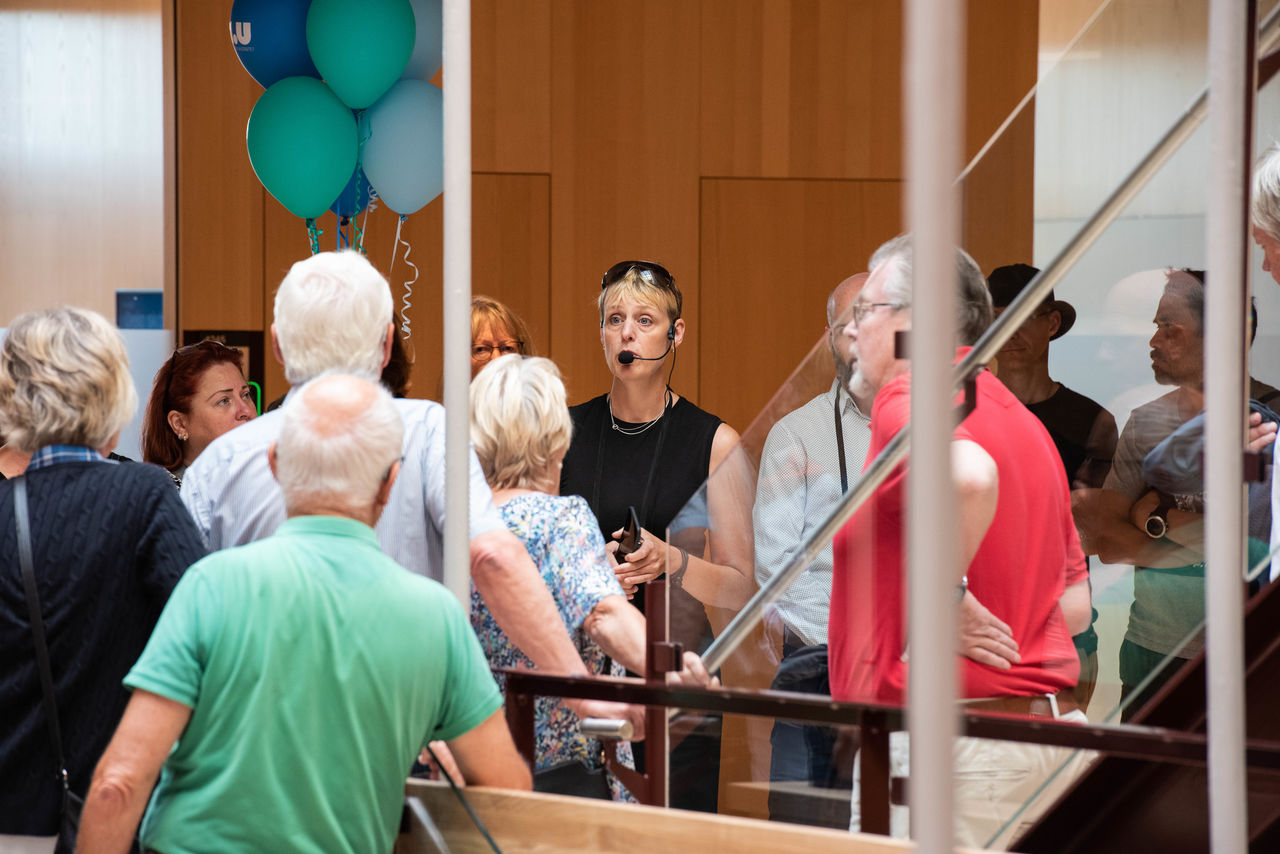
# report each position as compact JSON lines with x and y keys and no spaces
{"x":1133,"y":348}
{"x":712,"y":754}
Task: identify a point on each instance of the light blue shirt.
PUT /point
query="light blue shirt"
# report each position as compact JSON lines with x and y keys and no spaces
{"x":798,"y":487}
{"x":235,"y":499}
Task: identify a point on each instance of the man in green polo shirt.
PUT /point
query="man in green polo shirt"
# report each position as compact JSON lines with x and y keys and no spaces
{"x":300,"y":675}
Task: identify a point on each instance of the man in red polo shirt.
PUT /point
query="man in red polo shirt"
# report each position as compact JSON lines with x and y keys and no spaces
{"x":1024,"y":591}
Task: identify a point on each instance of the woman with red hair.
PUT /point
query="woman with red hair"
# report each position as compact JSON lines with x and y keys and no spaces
{"x":198,"y":395}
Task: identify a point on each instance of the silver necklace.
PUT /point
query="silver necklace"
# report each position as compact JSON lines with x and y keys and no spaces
{"x":636,"y":431}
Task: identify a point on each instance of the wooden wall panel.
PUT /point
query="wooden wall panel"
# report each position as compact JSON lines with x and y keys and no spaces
{"x":1002,"y":47}
{"x":511,"y":86}
{"x":771,"y":253}
{"x":619,"y":143}
{"x":998,"y":205}
{"x":220,"y":211}
{"x":801,"y":88}
{"x":511,"y":248}
{"x":510,"y":261}
{"x":624,"y":167}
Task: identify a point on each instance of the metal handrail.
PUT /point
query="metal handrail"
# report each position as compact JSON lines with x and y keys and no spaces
{"x":1017,"y":313}
{"x":1153,"y":744}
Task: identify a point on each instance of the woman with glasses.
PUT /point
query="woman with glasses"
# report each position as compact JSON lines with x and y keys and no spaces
{"x":644,"y":445}
{"x":495,"y":331}
{"x":198,"y":395}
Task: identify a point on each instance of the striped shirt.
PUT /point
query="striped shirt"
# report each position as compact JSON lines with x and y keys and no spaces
{"x":234,"y":498}
{"x":799,"y":485}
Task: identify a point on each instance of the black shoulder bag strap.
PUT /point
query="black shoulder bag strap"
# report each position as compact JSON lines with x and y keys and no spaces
{"x":37,"y":627}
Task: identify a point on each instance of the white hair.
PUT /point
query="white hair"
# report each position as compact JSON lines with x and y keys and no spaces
{"x":973,"y":306}
{"x":331,"y":314}
{"x":519,"y":420}
{"x":340,"y":436}
{"x":1264,"y":209}
{"x":64,"y":379}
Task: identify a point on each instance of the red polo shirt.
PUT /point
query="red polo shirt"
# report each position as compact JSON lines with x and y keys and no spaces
{"x":1030,"y":554}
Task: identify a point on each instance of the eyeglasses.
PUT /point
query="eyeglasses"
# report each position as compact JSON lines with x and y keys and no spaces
{"x":484,"y":352}
{"x":653,"y":274}
{"x":862,"y":309}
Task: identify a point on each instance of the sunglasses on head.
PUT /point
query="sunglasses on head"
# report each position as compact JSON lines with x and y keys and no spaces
{"x":654,"y":274}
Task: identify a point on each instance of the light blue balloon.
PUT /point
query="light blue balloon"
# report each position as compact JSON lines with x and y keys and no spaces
{"x":403,"y":155}
{"x":428,"y":44}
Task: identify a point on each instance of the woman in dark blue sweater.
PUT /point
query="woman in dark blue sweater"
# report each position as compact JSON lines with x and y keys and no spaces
{"x":109,"y":542}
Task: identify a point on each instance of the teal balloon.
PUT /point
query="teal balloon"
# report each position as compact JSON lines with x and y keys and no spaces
{"x":360,"y":47}
{"x":303,"y":144}
{"x":403,"y":155}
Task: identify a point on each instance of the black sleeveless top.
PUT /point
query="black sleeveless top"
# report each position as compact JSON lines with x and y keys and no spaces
{"x":625,"y":465}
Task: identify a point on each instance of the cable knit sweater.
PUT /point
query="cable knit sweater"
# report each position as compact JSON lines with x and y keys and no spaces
{"x":109,"y":542}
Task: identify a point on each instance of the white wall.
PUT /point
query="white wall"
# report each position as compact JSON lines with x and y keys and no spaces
{"x":82,"y":152}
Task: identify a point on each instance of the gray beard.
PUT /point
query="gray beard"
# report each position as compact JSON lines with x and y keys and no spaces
{"x":858,"y":386}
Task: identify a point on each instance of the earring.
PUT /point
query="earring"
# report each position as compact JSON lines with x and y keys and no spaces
{"x":183,"y":437}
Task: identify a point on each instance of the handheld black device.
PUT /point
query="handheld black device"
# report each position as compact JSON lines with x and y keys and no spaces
{"x":631,"y":539}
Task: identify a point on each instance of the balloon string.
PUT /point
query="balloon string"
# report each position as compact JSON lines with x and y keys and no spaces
{"x":362,"y":222}
{"x":313,"y":234}
{"x":362,"y":136}
{"x":408,"y":286}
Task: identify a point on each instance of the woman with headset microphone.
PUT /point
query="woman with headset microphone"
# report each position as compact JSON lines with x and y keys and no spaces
{"x":643,"y":446}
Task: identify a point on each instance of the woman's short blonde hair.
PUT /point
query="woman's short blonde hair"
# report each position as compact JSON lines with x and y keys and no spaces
{"x":519,"y":420}
{"x":64,"y":380}
{"x":636,"y":285}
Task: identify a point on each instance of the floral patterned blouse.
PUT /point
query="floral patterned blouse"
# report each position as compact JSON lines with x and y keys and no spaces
{"x":563,"y":538}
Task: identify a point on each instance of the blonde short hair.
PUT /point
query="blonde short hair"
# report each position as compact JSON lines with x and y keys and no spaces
{"x":64,"y":380}
{"x":519,"y":420}
{"x":1264,"y":208}
{"x":641,"y":288}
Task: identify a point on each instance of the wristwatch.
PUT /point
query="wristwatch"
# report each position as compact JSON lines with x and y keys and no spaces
{"x":962,"y":588}
{"x":1157,"y":524}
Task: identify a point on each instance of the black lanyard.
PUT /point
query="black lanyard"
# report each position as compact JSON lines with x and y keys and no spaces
{"x":653,"y":464}
{"x":844,"y":473}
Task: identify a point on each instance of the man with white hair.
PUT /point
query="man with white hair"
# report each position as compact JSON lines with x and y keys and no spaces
{"x":300,"y":675}
{"x":1019,"y":553}
{"x":333,"y":311}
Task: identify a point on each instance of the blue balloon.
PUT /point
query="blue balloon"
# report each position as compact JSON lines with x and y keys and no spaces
{"x":354,"y":196}
{"x":403,"y":153}
{"x":270,"y":38}
{"x":428,"y":42}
